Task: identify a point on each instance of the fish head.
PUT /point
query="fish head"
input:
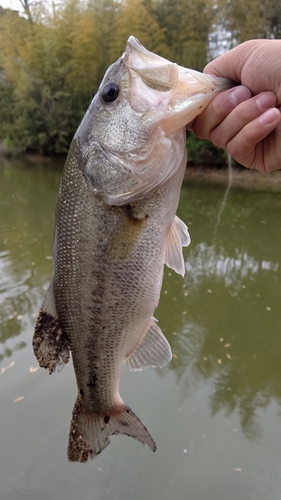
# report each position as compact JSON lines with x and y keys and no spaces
{"x":132,"y":138}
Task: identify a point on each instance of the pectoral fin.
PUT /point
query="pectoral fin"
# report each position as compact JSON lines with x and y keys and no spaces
{"x":177,"y":237}
{"x":153,"y":350}
{"x":49,"y":343}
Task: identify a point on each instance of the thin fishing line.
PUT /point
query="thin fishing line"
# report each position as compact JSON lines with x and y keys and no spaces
{"x":224,"y":200}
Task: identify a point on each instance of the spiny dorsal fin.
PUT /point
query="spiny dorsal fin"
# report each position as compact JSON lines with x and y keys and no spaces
{"x":153,"y":350}
{"x":177,"y":237}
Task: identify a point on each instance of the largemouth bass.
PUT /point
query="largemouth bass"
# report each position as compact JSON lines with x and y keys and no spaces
{"x":115,"y":229}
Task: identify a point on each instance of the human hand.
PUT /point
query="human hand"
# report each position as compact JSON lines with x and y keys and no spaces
{"x":246,"y":120}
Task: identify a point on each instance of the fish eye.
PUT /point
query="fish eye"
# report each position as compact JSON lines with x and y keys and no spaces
{"x":110,"y":92}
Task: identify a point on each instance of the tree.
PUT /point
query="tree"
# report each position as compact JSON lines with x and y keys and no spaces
{"x":41,"y":112}
{"x":53,"y":59}
{"x":187,"y":25}
{"x":134,"y":18}
{"x":248,"y":20}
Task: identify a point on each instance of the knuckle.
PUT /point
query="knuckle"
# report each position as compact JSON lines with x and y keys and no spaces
{"x":240,"y":148}
{"x":217,"y":137}
{"x":221,"y":106}
{"x":242,"y":114}
{"x":233,"y":150}
{"x":200,"y":128}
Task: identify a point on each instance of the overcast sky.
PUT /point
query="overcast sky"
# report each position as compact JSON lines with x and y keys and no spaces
{"x":12,"y":4}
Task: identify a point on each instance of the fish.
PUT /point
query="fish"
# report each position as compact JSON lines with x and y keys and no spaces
{"x":115,"y":228}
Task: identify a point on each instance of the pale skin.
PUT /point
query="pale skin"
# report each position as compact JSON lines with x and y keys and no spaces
{"x":246,"y":120}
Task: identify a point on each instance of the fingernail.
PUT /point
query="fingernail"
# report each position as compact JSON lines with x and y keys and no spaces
{"x":239,"y":94}
{"x":269,"y":116}
{"x":266,"y":100}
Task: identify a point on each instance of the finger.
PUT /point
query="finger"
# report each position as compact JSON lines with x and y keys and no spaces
{"x":218,"y":109}
{"x":243,"y":65}
{"x":231,"y":64}
{"x":247,"y":147}
{"x":243,"y":114}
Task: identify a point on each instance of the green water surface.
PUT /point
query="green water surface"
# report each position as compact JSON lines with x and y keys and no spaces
{"x":214,"y":411}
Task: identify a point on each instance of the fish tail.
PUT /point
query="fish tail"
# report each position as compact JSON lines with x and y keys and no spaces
{"x":89,"y":432}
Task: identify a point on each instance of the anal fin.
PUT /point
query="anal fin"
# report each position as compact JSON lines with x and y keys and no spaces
{"x":153,"y":350}
{"x":177,"y":237}
{"x":49,"y":343}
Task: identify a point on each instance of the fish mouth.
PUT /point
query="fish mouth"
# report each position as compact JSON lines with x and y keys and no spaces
{"x":179,"y":93}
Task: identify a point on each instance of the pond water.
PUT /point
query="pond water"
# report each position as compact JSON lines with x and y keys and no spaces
{"x":214,"y":411}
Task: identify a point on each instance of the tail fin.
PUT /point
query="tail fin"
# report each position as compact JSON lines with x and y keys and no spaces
{"x":89,"y":432}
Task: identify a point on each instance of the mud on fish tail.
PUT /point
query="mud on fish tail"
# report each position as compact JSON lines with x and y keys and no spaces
{"x":89,"y":432}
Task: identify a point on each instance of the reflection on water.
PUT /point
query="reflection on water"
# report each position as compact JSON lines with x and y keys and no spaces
{"x":27,"y":197}
{"x":226,"y":321}
{"x":213,"y":262}
{"x":222,"y":320}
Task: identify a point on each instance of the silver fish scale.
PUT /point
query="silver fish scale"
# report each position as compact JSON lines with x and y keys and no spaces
{"x":117,"y":279}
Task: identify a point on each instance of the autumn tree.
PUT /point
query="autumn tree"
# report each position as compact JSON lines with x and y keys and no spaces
{"x":135,"y":19}
{"x":54,"y":54}
{"x":52,"y":67}
{"x":274,"y":19}
{"x":248,"y":20}
{"x":187,"y":25}
{"x":40,"y":104}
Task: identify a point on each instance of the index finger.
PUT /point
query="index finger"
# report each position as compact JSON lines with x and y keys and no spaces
{"x":218,"y":109}
{"x":231,"y":64}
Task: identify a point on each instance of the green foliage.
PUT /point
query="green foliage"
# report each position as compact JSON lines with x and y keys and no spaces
{"x":42,"y":116}
{"x":53,"y":59}
{"x":201,"y":152}
{"x":49,"y":77}
{"x":187,"y":25}
{"x":6,"y":93}
{"x":248,"y":20}
{"x":135,"y":18}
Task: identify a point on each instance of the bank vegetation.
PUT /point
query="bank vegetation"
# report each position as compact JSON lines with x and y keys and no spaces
{"x":53,"y":56}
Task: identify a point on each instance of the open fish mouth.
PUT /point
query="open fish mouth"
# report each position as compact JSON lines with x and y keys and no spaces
{"x":177,"y":92}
